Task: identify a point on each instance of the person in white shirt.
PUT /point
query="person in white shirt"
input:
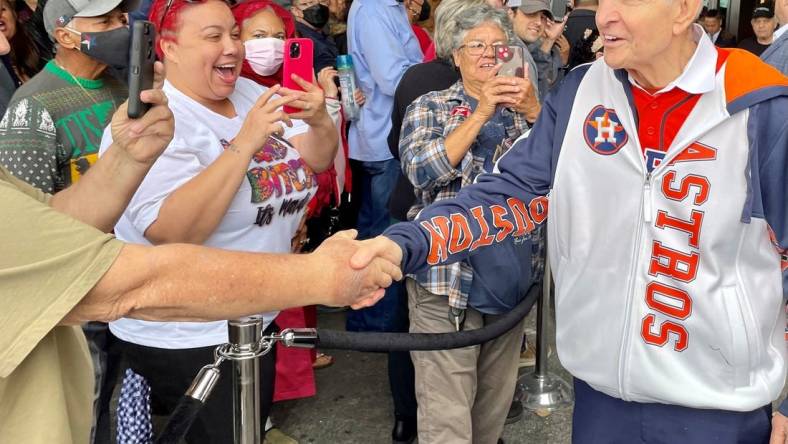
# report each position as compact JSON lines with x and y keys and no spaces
{"x":237,"y":175}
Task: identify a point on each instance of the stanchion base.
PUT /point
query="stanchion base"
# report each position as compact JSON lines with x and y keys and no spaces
{"x":543,"y":394}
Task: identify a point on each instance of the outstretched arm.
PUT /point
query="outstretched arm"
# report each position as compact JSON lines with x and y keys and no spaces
{"x":181,"y":282}
{"x":510,"y":202}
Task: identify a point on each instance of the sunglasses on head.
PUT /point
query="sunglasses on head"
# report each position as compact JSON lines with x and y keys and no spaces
{"x":167,"y":7}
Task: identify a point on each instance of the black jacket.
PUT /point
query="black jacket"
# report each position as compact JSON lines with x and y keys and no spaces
{"x":326,"y":51}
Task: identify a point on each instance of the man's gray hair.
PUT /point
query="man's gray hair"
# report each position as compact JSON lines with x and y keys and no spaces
{"x":454,"y":18}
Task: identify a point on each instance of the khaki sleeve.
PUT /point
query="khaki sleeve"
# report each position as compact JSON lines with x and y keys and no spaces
{"x":24,"y":187}
{"x":49,"y":262}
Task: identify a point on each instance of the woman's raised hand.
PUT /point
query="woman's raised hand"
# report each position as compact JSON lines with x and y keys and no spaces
{"x":264,"y":119}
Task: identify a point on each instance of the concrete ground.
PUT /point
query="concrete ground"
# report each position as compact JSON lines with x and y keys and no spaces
{"x":353,"y":404}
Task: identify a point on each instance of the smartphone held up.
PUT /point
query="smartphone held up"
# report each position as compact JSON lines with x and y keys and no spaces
{"x":141,"y":59}
{"x":512,"y":60}
{"x":298,"y":60}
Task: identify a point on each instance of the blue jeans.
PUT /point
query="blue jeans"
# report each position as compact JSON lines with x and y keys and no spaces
{"x":372,"y":186}
{"x":602,"y":419}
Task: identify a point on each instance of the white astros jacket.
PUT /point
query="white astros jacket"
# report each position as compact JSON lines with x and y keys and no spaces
{"x":670,"y":285}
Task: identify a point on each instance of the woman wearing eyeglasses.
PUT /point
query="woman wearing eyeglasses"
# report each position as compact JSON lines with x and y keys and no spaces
{"x":238,"y":175}
{"x":448,"y":138}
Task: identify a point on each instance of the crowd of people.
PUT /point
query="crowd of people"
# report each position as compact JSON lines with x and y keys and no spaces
{"x":130,"y":242}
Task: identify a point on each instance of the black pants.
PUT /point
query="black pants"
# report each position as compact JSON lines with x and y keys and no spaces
{"x":170,"y":372}
{"x":402,"y":378}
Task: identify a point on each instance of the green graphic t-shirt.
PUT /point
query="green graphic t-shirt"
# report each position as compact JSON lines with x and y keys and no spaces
{"x":51,"y":133}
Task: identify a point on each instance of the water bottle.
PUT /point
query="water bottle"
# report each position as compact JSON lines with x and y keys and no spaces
{"x":347,"y":86}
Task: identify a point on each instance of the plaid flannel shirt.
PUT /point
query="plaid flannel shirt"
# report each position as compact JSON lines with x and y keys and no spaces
{"x":428,"y":121}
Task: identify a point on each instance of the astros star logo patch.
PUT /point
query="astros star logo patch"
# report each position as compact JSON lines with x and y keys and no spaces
{"x":604,"y":132}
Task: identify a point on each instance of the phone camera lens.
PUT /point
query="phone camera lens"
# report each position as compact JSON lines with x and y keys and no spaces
{"x":295,"y":50}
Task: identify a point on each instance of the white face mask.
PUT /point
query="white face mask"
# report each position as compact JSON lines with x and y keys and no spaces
{"x":265,"y":55}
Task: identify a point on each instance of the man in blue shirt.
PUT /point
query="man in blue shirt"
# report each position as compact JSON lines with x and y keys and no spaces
{"x":383,"y":46}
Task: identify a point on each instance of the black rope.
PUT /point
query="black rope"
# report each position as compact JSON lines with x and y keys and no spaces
{"x":384,"y":342}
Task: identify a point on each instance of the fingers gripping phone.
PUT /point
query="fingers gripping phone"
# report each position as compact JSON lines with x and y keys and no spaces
{"x":511,"y":57}
{"x":299,"y":60}
{"x":141,"y":59}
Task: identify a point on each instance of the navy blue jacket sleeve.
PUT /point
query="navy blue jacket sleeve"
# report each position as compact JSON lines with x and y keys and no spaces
{"x":768,"y":131}
{"x":510,"y":202}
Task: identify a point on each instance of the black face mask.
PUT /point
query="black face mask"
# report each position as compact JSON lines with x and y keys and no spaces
{"x":425,"y":11}
{"x":108,"y":47}
{"x":316,"y":16}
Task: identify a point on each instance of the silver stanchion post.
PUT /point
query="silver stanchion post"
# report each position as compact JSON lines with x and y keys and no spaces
{"x":543,"y":391}
{"x":244,"y":335}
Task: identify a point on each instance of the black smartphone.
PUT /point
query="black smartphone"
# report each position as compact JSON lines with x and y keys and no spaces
{"x":141,"y":59}
{"x":558,"y":9}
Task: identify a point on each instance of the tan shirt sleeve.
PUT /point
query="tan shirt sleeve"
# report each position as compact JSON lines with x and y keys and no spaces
{"x":48,"y":263}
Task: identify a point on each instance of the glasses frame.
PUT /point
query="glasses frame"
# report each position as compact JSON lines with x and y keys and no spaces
{"x":484,"y":48}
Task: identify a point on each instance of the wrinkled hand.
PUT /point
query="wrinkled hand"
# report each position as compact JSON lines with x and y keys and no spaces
{"x":377,"y":247}
{"x":264,"y":119}
{"x":526,"y":101}
{"x":563,"y":48}
{"x":311,"y":101}
{"x":359,"y":96}
{"x":144,"y":139}
{"x":779,"y":429}
{"x":325,"y":78}
{"x":357,"y":272}
{"x":497,"y":91}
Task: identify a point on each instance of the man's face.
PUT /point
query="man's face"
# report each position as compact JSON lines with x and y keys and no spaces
{"x":781,"y":11}
{"x":637,"y":32}
{"x":763,"y":27}
{"x":113,"y":20}
{"x":712,"y":25}
{"x":528,"y":27}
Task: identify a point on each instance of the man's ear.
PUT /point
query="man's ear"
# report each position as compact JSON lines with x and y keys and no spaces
{"x":66,"y":39}
{"x":685,"y":15}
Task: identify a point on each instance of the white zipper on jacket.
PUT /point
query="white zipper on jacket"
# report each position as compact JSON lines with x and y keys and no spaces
{"x":623,"y":355}
{"x":647,"y":202}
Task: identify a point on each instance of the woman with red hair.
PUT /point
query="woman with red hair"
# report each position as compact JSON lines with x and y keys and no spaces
{"x":237,"y":175}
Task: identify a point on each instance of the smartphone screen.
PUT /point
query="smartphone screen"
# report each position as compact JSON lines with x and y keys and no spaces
{"x":299,"y":60}
{"x":511,"y":56}
{"x":141,"y":59}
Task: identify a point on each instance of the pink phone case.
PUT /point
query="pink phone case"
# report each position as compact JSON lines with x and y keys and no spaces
{"x":512,"y":58}
{"x":300,"y":63}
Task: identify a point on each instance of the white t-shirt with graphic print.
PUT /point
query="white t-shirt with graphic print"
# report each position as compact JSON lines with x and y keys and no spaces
{"x":263,"y":216}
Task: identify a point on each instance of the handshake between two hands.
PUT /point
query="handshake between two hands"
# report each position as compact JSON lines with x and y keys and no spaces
{"x":357,"y":272}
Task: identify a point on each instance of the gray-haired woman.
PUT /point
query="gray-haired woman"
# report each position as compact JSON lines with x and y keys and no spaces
{"x":448,"y":138}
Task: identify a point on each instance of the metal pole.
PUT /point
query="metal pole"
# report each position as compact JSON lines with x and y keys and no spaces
{"x":543,"y":391}
{"x":544,"y":304}
{"x":244,"y":335}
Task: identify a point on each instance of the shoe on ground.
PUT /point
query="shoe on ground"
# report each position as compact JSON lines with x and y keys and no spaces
{"x":276,"y":436}
{"x":404,"y":431}
{"x":516,"y":412}
{"x":322,"y":360}
{"x":528,"y":356}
